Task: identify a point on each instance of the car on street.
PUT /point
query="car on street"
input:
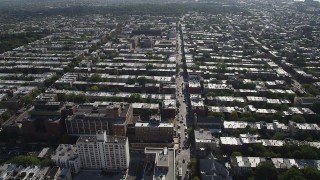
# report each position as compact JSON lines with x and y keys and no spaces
{"x":180,"y":172}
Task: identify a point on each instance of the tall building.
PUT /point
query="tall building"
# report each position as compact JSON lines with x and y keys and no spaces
{"x":154,"y":131}
{"x":152,"y":134}
{"x":110,"y":153}
{"x":45,"y":119}
{"x":113,"y":118}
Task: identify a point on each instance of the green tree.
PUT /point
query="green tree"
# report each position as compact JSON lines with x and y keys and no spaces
{"x":309,"y":152}
{"x":95,"y":78}
{"x":50,"y":81}
{"x":65,"y":69}
{"x":310,"y":88}
{"x":35,"y":93}
{"x":172,"y":120}
{"x":298,"y":119}
{"x":178,"y":104}
{"x":237,"y":103}
{"x":236,"y":153}
{"x":311,"y":173}
{"x":94,"y":88}
{"x":250,"y":130}
{"x":221,"y":67}
{"x":278,"y":136}
{"x":115,"y":90}
{"x":206,"y":56}
{"x":135,"y":97}
{"x":27,"y":99}
{"x":25,"y":160}
{"x":192,"y":166}
{"x":216,"y":114}
{"x":6,"y":115}
{"x":234,"y":116}
{"x":251,"y":119}
{"x":292,"y":174}
{"x":263,"y":117}
{"x":316,"y":107}
{"x":266,"y":170}
{"x":62,"y":97}
{"x":11,"y":41}
{"x":248,"y":85}
{"x":190,"y":131}
{"x":278,"y":116}
{"x":79,"y":98}
{"x":177,"y":69}
{"x":142,"y":80}
{"x":256,"y":150}
{"x":131,"y":81}
{"x":46,"y":162}
{"x":149,"y":66}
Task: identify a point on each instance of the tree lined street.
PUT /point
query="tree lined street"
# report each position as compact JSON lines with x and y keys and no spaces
{"x":183,"y":154}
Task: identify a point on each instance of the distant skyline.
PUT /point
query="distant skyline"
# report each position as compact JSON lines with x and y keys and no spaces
{"x":304,"y":0}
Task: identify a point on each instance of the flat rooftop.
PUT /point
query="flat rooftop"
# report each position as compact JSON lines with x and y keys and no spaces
{"x":93,"y":139}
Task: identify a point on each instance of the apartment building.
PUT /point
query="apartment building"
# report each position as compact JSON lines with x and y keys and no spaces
{"x":296,"y":129}
{"x":45,"y":120}
{"x":100,"y":151}
{"x":240,"y":164}
{"x":14,"y":171}
{"x":273,"y":127}
{"x":154,"y":131}
{"x":204,"y":141}
{"x":67,"y":156}
{"x":113,"y":118}
{"x":168,"y":108}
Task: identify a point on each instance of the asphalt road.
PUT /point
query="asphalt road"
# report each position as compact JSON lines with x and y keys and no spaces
{"x":183,"y":154}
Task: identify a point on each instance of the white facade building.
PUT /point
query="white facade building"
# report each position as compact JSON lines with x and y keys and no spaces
{"x":110,"y":153}
{"x":66,"y":155}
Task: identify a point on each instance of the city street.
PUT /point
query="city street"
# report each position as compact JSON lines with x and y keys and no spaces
{"x":183,"y":154}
